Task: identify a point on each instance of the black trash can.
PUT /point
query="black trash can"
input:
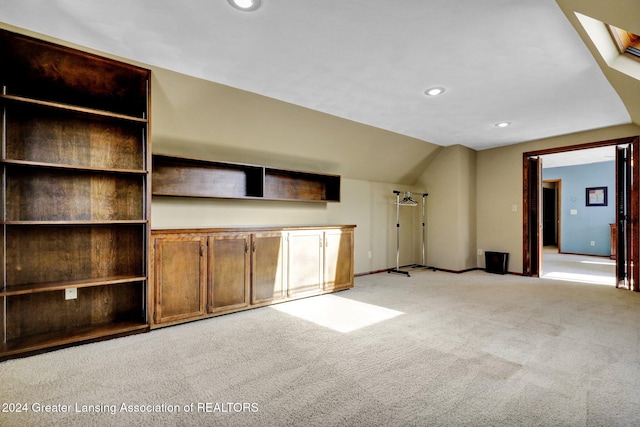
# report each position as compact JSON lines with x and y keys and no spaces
{"x":496,"y":262}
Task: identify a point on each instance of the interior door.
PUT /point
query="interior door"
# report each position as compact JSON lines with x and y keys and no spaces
{"x":533,"y":237}
{"x":624,"y":229}
{"x":549,"y":217}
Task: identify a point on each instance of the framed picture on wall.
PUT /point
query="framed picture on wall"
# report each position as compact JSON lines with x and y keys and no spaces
{"x":597,"y":196}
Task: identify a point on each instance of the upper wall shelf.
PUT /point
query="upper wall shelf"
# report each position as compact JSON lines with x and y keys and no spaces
{"x":186,"y":177}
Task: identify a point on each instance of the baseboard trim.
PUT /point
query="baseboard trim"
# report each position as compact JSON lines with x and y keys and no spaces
{"x":458,"y":271}
{"x":577,"y":253}
{"x":444,"y":270}
{"x":370,"y":272}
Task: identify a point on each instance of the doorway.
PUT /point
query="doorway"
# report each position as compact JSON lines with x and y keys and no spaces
{"x":626,"y":203}
{"x":551,"y":213}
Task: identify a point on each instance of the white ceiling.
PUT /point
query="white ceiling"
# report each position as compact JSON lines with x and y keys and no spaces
{"x":368,"y":61}
{"x":579,"y":157}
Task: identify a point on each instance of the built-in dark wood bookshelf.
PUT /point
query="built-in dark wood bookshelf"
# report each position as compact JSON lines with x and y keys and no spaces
{"x":75,"y":195}
{"x":187,"y":177}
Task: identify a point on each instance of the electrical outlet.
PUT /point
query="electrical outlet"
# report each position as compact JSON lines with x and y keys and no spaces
{"x":71,"y":293}
{"x":514,"y":208}
{"x":480,"y":252}
{"x":370,"y":255}
{"x":593,"y":243}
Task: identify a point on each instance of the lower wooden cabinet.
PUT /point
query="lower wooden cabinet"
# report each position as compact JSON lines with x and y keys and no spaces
{"x":306,"y":248}
{"x":206,"y":272}
{"x":338,"y":259}
{"x":229,"y":271}
{"x":268,"y":275}
{"x":179,"y":277}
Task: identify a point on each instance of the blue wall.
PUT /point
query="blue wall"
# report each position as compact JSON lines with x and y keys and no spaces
{"x":591,"y":222}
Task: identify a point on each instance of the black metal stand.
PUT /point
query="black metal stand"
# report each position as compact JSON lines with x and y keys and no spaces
{"x":397,"y":269}
{"x":424,"y":224}
{"x":406,"y":273}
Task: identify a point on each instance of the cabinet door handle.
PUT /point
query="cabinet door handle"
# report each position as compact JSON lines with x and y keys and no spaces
{"x":253,"y":247}
{"x":246,"y":247}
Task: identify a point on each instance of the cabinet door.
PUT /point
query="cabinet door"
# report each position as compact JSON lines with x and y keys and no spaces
{"x":305,"y":259}
{"x":268,"y":266}
{"x":229,"y":272}
{"x":180,"y":277}
{"x":338,"y":259}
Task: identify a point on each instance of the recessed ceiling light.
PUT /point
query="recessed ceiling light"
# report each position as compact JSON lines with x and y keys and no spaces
{"x":434,"y":91}
{"x":502,"y":124}
{"x":245,"y":5}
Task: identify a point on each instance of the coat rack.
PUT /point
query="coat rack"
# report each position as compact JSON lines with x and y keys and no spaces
{"x":424,"y":228}
{"x":408,"y":200}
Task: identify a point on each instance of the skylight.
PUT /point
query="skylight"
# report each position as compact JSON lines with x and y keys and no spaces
{"x":613,"y":54}
{"x":626,"y":42}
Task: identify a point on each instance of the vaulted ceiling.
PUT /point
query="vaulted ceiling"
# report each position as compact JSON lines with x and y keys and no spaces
{"x":526,"y":62}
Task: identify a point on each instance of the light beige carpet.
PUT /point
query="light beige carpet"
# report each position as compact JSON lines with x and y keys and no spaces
{"x":587,"y":269}
{"x":432,"y":349}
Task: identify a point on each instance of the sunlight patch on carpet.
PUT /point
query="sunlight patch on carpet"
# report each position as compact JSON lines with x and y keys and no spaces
{"x":340,"y":314}
{"x":609,"y":263}
{"x":581,"y":278}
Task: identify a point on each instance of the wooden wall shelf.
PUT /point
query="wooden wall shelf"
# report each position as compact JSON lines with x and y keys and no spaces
{"x":75,"y":165}
{"x":187,"y":177}
{"x":179,"y":176}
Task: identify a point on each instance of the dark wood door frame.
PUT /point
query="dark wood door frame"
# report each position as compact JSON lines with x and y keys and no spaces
{"x":530,"y":245}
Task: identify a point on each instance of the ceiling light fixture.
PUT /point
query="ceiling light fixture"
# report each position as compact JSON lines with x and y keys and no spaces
{"x":434,"y":91}
{"x":502,"y":124}
{"x":245,"y":5}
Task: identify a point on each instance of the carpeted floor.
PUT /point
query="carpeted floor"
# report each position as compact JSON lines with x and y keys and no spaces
{"x":441,"y":349}
{"x":578,"y":268}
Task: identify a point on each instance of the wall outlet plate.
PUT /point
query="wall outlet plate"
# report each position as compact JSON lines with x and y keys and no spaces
{"x":71,"y":293}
